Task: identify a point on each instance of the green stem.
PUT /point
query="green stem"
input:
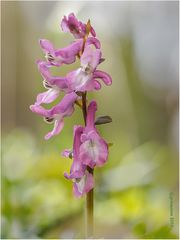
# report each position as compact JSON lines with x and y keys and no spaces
{"x":90,"y":195}
{"x":89,"y":211}
{"x":84,"y":107}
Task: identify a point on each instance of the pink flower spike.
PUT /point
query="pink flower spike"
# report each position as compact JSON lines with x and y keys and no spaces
{"x":89,"y":150}
{"x":77,"y":28}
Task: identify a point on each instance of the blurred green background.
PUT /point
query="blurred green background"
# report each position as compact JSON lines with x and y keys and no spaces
{"x":136,"y":194}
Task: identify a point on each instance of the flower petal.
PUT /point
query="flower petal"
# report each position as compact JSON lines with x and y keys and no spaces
{"x":104,"y":76}
{"x":84,"y":185}
{"x":64,"y":24}
{"x":77,"y":168}
{"x":90,"y":57}
{"x":47,"y":97}
{"x":92,"y":108}
{"x":69,"y":53}
{"x":60,"y":82}
{"x":89,"y":182}
{"x":67,"y":153}
{"x":93,"y":32}
{"x":47,"y":46}
{"x":103,"y":153}
{"x":78,"y":80}
{"x":58,"y":126}
{"x":94,"y":152}
{"x":78,"y":130}
{"x":94,"y":41}
{"x":97,"y":84}
{"x":65,"y":107}
{"x":72,"y":25}
{"x":66,"y":55}
{"x":43,"y":67}
{"x":40,"y":110}
{"x":75,"y":174}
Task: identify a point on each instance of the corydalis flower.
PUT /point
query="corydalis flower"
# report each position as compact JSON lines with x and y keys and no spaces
{"x":77,"y":28}
{"x":89,"y":149}
{"x":94,"y":149}
{"x":56,"y":114}
{"x":67,"y":55}
{"x":54,"y":84}
{"x":83,"y":181}
{"x":85,"y":77}
{"x":50,"y":80}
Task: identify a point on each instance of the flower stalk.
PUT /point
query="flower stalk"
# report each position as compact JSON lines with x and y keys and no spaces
{"x":90,"y":210}
{"x":89,"y":149}
{"x":89,"y":207}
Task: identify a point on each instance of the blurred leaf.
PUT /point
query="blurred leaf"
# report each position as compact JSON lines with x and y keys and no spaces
{"x":103,"y":120}
{"x":140,"y":229}
{"x":163,"y":232}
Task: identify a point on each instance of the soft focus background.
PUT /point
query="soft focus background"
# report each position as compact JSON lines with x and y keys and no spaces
{"x":137,"y":191}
